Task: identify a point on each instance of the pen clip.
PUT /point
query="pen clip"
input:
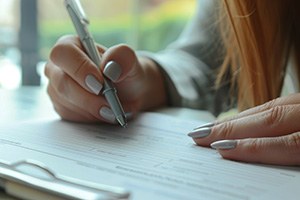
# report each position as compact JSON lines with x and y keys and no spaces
{"x":78,"y":11}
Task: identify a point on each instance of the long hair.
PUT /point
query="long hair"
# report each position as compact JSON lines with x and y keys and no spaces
{"x":259,"y":37}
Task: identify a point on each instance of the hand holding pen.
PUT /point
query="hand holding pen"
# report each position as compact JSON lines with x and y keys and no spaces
{"x":75,"y":81}
{"x":80,"y":23}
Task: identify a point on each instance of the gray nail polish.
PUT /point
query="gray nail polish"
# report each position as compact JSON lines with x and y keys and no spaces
{"x":207,"y":125}
{"x":93,"y":84}
{"x":224,"y":144}
{"x":107,"y":114}
{"x":200,"y":133}
{"x":112,"y":70}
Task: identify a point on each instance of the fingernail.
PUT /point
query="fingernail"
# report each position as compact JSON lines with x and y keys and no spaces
{"x":112,"y":70}
{"x":200,"y":133}
{"x":93,"y":84}
{"x":207,"y":125}
{"x":107,"y":114}
{"x":224,"y":144}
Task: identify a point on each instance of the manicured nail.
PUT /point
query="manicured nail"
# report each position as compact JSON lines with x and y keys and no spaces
{"x":93,"y":84}
{"x":107,"y":114}
{"x":200,"y":133}
{"x":112,"y":70}
{"x":224,"y":144}
{"x":207,"y":125}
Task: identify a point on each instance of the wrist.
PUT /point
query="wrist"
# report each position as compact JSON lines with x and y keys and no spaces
{"x":154,"y":95}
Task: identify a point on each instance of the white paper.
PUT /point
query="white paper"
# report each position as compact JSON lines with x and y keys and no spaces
{"x":153,"y":158}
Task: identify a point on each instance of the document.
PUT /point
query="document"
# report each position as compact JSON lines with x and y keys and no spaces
{"x":153,"y":158}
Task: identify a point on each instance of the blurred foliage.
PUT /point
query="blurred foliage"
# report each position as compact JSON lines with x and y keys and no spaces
{"x":152,"y":30}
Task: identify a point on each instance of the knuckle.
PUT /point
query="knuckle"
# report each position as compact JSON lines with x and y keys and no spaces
{"x":47,"y":70}
{"x":124,"y":51}
{"x":64,"y":45}
{"x":81,"y":66}
{"x":274,"y":116}
{"x":226,"y":130}
{"x":57,"y":50}
{"x":293,"y":143}
{"x":270,"y":104}
{"x":254,"y":146}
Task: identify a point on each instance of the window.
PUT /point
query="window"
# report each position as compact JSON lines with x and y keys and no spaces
{"x":147,"y":25}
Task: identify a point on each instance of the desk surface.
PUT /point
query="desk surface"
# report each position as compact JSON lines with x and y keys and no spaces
{"x":28,"y":103}
{"x":23,"y":104}
{"x":33,"y":103}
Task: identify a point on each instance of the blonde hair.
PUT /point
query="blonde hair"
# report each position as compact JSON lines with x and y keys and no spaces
{"x":258,"y":36}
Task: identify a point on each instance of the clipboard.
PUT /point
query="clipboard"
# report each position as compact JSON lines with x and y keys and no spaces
{"x":56,"y":187}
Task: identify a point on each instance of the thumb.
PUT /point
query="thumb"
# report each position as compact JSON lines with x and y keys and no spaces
{"x":283,"y":150}
{"x":118,"y":62}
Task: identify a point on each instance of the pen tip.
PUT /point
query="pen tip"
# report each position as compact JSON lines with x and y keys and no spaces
{"x":122,"y":121}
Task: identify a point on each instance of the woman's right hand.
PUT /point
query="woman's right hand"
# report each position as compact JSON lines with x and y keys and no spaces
{"x":75,"y":82}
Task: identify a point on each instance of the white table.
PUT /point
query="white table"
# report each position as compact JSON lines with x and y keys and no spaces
{"x":28,"y":103}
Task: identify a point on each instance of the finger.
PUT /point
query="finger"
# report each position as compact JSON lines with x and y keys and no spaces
{"x":72,"y":114}
{"x":72,"y":95}
{"x":130,"y":80}
{"x":284,"y":150}
{"x":69,"y":111}
{"x":287,"y":100}
{"x":279,"y":120}
{"x":68,"y":54}
{"x":125,"y":60}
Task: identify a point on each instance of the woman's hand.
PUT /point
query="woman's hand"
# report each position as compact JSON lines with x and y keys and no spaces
{"x":269,"y":133}
{"x":75,"y":82}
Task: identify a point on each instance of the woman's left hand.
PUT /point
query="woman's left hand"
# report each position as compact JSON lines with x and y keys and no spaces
{"x":268,"y":134}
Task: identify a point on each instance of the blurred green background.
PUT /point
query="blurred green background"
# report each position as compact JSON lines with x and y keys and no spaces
{"x":144,"y":25}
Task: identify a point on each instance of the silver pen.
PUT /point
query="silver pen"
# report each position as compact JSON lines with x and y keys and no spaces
{"x":81,"y":22}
